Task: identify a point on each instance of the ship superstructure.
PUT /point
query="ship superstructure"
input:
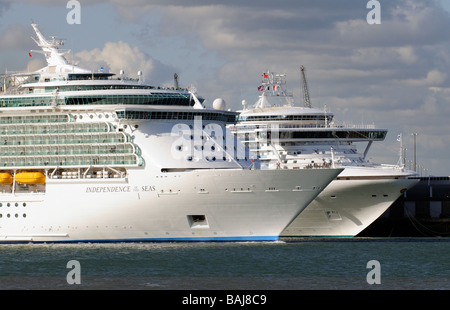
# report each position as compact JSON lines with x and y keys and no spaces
{"x":285,"y":136}
{"x":89,"y":156}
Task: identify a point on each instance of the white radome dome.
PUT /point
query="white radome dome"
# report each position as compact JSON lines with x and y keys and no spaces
{"x":219,"y":104}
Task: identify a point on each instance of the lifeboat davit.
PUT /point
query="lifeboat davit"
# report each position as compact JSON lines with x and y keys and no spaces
{"x":6,"y":178}
{"x":30,"y":177}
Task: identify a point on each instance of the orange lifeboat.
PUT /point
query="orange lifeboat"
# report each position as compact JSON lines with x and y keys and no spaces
{"x":6,"y":178}
{"x":30,"y":177}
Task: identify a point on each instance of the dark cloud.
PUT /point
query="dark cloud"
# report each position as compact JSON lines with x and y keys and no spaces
{"x":4,"y":6}
{"x":16,"y":37}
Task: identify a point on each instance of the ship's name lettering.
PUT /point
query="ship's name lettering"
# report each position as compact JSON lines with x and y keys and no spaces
{"x":119,"y":189}
{"x":108,"y":189}
{"x":148,"y":188}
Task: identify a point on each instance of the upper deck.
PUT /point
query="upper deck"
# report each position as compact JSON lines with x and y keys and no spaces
{"x":274,"y":116}
{"x":62,"y":83}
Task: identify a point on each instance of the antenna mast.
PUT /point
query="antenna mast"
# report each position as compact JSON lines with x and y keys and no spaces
{"x":306,"y":100}
{"x":175,"y":78}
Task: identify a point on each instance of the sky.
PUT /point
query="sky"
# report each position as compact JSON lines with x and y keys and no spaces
{"x":393,"y":74}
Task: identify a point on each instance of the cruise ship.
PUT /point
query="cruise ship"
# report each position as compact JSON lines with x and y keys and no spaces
{"x":289,"y":137}
{"x":94,"y":157}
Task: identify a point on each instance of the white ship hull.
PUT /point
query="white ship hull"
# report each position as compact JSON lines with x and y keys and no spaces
{"x":347,"y":206}
{"x":216,"y":205}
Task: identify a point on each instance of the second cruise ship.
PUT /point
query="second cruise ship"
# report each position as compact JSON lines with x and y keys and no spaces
{"x":288,"y":137}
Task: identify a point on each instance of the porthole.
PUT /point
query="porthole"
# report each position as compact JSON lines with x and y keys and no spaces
{"x":16,"y":215}
{"x":24,"y":204}
{"x":8,"y":204}
{"x":24,"y":215}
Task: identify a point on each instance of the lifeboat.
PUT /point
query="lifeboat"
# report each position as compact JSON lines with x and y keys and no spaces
{"x":6,"y":178}
{"x":30,"y":177}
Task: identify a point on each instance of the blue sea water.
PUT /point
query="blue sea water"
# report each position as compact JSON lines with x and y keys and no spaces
{"x":325,"y":264}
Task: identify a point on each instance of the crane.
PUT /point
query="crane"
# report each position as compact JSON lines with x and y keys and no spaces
{"x":306,"y":100}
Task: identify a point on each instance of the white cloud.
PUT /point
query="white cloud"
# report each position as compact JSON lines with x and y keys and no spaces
{"x":407,"y":54}
{"x":116,"y":56}
{"x":434,"y":78}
